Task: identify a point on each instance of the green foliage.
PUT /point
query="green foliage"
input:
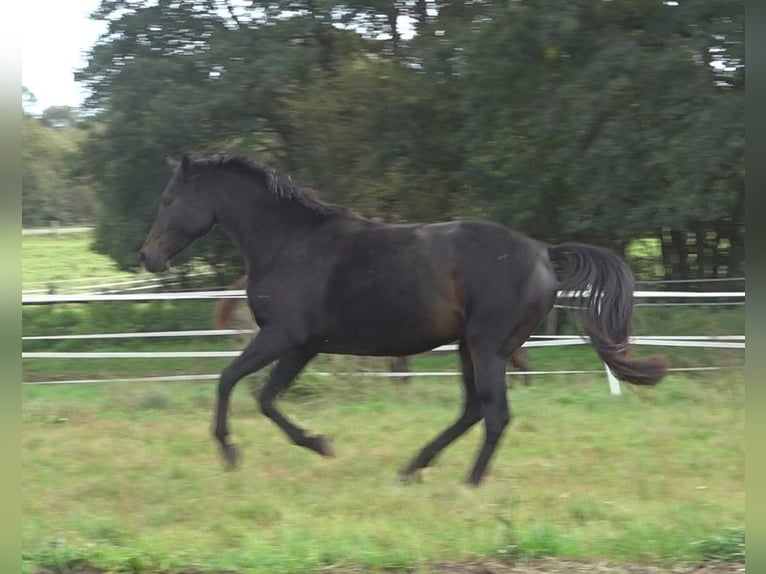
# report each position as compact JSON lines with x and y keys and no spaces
{"x":57,"y":557}
{"x":726,"y":547}
{"x":209,"y":83}
{"x":397,"y":160}
{"x":48,"y":189}
{"x":586,"y":120}
{"x":603,"y":122}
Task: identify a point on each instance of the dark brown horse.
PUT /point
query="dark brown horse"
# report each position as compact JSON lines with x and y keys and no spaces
{"x":324,"y":280}
{"x":224,"y":312}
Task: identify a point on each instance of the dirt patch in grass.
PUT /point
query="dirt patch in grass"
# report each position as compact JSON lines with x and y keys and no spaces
{"x":548,"y":566}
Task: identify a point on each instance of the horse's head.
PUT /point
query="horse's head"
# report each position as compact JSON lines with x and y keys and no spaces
{"x":185,"y":214}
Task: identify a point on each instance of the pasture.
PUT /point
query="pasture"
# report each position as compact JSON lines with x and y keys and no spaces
{"x":63,"y":261}
{"x":126,"y":476}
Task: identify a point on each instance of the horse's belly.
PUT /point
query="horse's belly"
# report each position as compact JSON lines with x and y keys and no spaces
{"x":380,"y":347}
{"x":385,"y":332}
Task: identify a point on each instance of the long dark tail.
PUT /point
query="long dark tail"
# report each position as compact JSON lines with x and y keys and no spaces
{"x":224,"y":309}
{"x":602,"y":286}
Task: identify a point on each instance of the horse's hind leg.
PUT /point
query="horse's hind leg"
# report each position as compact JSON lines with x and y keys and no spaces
{"x":489,"y":362}
{"x":280,"y":378}
{"x":470,"y":416}
{"x":489,"y":370}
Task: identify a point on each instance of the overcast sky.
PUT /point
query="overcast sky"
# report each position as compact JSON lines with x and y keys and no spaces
{"x":54,"y":36}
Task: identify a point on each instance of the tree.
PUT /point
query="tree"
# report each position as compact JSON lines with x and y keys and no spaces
{"x":606,"y":121}
{"x":212,"y":77}
{"x":373,"y":137}
{"x":28,"y":99}
{"x":58,"y":117}
{"x":49,"y":191}
{"x":570,"y":120}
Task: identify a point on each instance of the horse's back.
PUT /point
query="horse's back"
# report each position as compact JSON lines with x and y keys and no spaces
{"x":391,"y":291}
{"x":414,"y":286}
{"x":495,"y":261}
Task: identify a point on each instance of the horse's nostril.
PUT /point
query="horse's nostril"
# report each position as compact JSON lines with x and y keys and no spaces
{"x":141,"y":256}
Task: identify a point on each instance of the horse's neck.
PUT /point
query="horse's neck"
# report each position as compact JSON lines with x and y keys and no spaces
{"x":260,"y":225}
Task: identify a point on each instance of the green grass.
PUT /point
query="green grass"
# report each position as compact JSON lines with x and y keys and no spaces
{"x":126,"y":477}
{"x":65,"y":260}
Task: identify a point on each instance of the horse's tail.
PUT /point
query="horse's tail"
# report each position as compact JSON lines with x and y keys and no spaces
{"x":224,"y":308}
{"x":601,"y":288}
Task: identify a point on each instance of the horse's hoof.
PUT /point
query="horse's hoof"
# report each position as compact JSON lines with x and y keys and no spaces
{"x":230,"y":456}
{"x":321,"y":445}
{"x":473,"y":482}
{"x":409,"y":476}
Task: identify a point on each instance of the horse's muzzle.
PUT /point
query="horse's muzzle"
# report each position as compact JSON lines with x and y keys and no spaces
{"x":151,"y":264}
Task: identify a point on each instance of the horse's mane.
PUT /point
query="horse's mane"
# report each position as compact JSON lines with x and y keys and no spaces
{"x":278,"y":186}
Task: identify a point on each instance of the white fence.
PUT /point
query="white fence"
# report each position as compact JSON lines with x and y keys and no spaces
{"x":725,"y":342}
{"x":38,"y":299}
{"x":54,"y":229}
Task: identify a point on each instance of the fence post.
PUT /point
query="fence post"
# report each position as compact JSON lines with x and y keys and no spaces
{"x":614,"y":384}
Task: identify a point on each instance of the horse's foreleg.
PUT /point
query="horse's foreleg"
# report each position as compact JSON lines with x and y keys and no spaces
{"x":280,"y":378}
{"x":262,"y":350}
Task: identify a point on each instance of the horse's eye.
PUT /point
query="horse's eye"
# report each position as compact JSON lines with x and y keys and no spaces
{"x":166,"y":200}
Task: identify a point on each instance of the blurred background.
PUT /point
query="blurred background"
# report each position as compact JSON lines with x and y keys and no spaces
{"x":618,"y":122}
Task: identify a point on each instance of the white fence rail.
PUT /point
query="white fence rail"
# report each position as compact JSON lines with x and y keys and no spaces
{"x":382,"y":375}
{"x":36,"y":299}
{"x":724,"y":342}
{"x":54,"y":230}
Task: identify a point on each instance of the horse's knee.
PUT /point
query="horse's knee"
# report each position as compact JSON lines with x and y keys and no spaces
{"x":265,"y":404}
{"x":226,"y":381}
{"x":496,"y":421}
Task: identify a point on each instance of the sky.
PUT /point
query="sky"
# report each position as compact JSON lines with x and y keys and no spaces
{"x":55,"y":34}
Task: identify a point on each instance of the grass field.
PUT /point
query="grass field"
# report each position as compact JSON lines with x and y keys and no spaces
{"x":125,"y":476}
{"x":63,"y":261}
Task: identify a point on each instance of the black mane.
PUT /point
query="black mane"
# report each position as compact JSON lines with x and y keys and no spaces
{"x":278,"y":186}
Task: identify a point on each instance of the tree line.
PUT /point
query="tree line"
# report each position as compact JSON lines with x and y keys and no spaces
{"x":589,"y":120}
{"x":50,"y":146}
